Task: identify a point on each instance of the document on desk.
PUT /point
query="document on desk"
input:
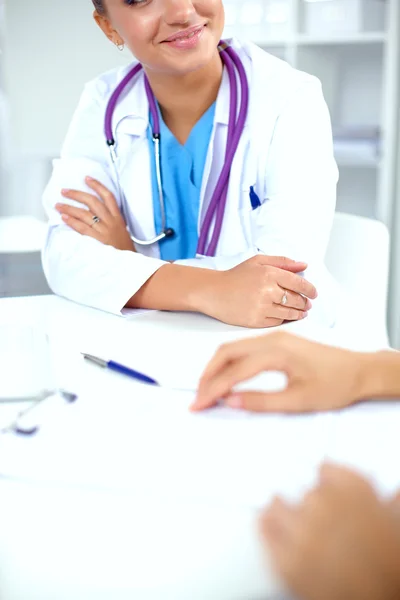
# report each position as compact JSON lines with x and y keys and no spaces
{"x":150,"y":444}
{"x":130,"y":313}
{"x":146,"y":441}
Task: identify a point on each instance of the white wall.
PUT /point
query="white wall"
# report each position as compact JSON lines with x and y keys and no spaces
{"x":53,"y":48}
{"x":3,"y":105}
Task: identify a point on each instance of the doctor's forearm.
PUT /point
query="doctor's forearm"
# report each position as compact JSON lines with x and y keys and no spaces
{"x":175,"y":287}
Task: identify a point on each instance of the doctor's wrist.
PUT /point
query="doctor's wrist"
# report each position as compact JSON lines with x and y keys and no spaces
{"x":204,"y":290}
{"x":176,"y":287}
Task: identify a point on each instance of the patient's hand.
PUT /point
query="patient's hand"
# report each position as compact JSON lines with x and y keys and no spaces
{"x":109,"y":227}
{"x":340,"y":543}
{"x":319,"y":377}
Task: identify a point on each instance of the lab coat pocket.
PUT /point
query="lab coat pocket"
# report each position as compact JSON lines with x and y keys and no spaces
{"x":250,"y":214}
{"x":246,"y":227}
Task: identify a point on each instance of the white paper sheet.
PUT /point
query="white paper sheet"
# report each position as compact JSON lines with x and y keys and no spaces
{"x":133,"y":312}
{"x":148,"y":442}
{"x":144,"y":439}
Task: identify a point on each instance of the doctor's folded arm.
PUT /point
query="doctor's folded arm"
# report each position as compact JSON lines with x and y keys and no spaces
{"x":201,"y":177}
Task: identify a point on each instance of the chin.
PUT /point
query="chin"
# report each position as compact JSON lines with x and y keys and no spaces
{"x":191,"y":68}
{"x":195,"y":61}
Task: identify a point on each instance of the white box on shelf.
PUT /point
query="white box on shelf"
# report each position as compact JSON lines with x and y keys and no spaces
{"x":257,"y":20}
{"x":277,"y":19}
{"x":251,"y":20}
{"x":232,"y":21}
{"x":357,"y":146}
{"x":335,"y":17}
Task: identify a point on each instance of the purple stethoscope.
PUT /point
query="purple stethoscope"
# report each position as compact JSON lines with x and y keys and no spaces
{"x":236,"y":124}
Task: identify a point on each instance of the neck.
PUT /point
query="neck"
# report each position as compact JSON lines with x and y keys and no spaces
{"x":184,"y":99}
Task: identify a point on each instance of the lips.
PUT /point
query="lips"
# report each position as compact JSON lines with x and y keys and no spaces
{"x":185,"y":34}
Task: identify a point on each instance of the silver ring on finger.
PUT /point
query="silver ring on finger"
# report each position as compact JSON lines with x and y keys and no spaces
{"x":284,"y":300}
{"x":95,"y":219}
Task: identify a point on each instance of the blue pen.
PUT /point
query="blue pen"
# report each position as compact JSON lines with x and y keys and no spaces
{"x":114,"y":366}
{"x":254,"y":199}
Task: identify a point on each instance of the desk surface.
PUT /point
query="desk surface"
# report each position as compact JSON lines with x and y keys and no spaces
{"x":127,"y":495}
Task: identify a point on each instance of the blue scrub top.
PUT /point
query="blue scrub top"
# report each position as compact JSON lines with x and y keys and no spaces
{"x":182,"y":168}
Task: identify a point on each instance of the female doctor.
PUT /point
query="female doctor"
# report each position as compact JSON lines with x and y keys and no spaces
{"x":195,"y":179}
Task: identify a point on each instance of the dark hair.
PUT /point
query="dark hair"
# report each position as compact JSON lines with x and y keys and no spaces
{"x":99,"y":6}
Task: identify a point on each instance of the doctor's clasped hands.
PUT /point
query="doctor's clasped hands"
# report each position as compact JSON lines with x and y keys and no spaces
{"x":252,"y":293}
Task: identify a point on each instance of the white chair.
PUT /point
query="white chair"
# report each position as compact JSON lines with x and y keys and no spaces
{"x":358,"y":257}
{"x":21,"y":241}
{"x":21,"y":234}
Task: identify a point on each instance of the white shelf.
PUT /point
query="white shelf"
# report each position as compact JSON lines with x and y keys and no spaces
{"x":358,"y":164}
{"x":372,"y":37}
{"x":304,"y":40}
{"x":360,"y":75}
{"x":271,"y":43}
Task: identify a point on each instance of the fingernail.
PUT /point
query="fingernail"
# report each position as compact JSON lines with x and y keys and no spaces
{"x":233,"y":402}
{"x":197,"y":405}
{"x":308,"y":305}
{"x":305,"y":315}
{"x":58,"y":206}
{"x":89,"y":179}
{"x":64,"y":191}
{"x":65,"y":217}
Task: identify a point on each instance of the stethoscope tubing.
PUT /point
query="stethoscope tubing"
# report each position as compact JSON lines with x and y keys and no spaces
{"x":216,"y":208}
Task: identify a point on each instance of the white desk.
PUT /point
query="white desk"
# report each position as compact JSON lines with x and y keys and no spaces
{"x":127,"y":495}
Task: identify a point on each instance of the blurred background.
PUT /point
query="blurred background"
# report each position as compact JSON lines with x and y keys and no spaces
{"x":50,"y":48}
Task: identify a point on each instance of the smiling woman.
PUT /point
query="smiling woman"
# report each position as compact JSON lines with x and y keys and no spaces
{"x":150,"y":28}
{"x":194,"y":179}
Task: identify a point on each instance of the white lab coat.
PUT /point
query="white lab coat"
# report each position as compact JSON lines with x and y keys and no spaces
{"x":285,"y":152}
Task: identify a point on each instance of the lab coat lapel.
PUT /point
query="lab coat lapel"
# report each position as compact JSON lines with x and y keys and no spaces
{"x":216,"y":150}
{"x":241,"y":176}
